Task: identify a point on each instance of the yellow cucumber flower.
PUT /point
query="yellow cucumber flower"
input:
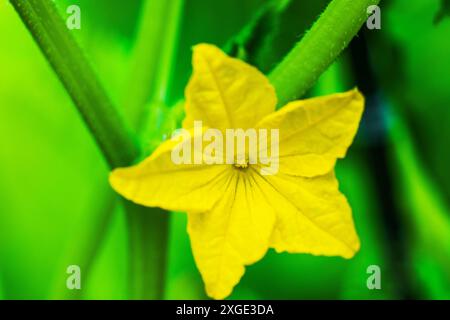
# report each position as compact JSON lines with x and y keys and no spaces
{"x":235,"y":212}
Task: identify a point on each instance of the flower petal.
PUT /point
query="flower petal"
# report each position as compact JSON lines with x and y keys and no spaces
{"x":235,"y":233}
{"x":224,"y":92}
{"x":159,"y":182}
{"x":312,"y":216}
{"x":313,"y":133}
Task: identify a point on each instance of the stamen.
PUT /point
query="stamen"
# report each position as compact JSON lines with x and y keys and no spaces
{"x":242,"y":164}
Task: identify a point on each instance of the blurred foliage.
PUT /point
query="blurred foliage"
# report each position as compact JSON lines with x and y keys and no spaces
{"x":52,"y":176}
{"x":411,"y":56}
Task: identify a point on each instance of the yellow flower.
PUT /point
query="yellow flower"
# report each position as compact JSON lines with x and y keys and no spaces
{"x":235,"y":213}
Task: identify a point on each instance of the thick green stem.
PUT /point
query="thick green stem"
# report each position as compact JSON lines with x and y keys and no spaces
{"x":153,"y":59}
{"x":148,"y":231}
{"x":65,"y":56}
{"x":315,"y":52}
{"x":320,"y":46}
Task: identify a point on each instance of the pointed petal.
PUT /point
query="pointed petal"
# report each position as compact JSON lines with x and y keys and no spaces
{"x":235,"y":233}
{"x":224,"y":92}
{"x":159,"y":182}
{"x":312,"y":216}
{"x":313,"y":133}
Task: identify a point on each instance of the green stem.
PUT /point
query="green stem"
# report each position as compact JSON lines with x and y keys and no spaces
{"x":320,"y":46}
{"x":114,"y":139}
{"x":65,"y":56}
{"x":314,"y":53}
{"x":148,"y":233}
{"x":153,"y":56}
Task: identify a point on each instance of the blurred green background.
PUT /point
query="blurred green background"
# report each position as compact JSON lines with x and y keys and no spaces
{"x":53,"y":179}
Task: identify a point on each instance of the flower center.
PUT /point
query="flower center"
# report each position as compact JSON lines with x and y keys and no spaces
{"x":241,"y":164}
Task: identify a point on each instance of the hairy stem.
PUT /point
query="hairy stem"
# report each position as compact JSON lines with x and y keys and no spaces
{"x":66,"y":57}
{"x":320,"y":46}
{"x":113,"y":137}
{"x":315,"y":52}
